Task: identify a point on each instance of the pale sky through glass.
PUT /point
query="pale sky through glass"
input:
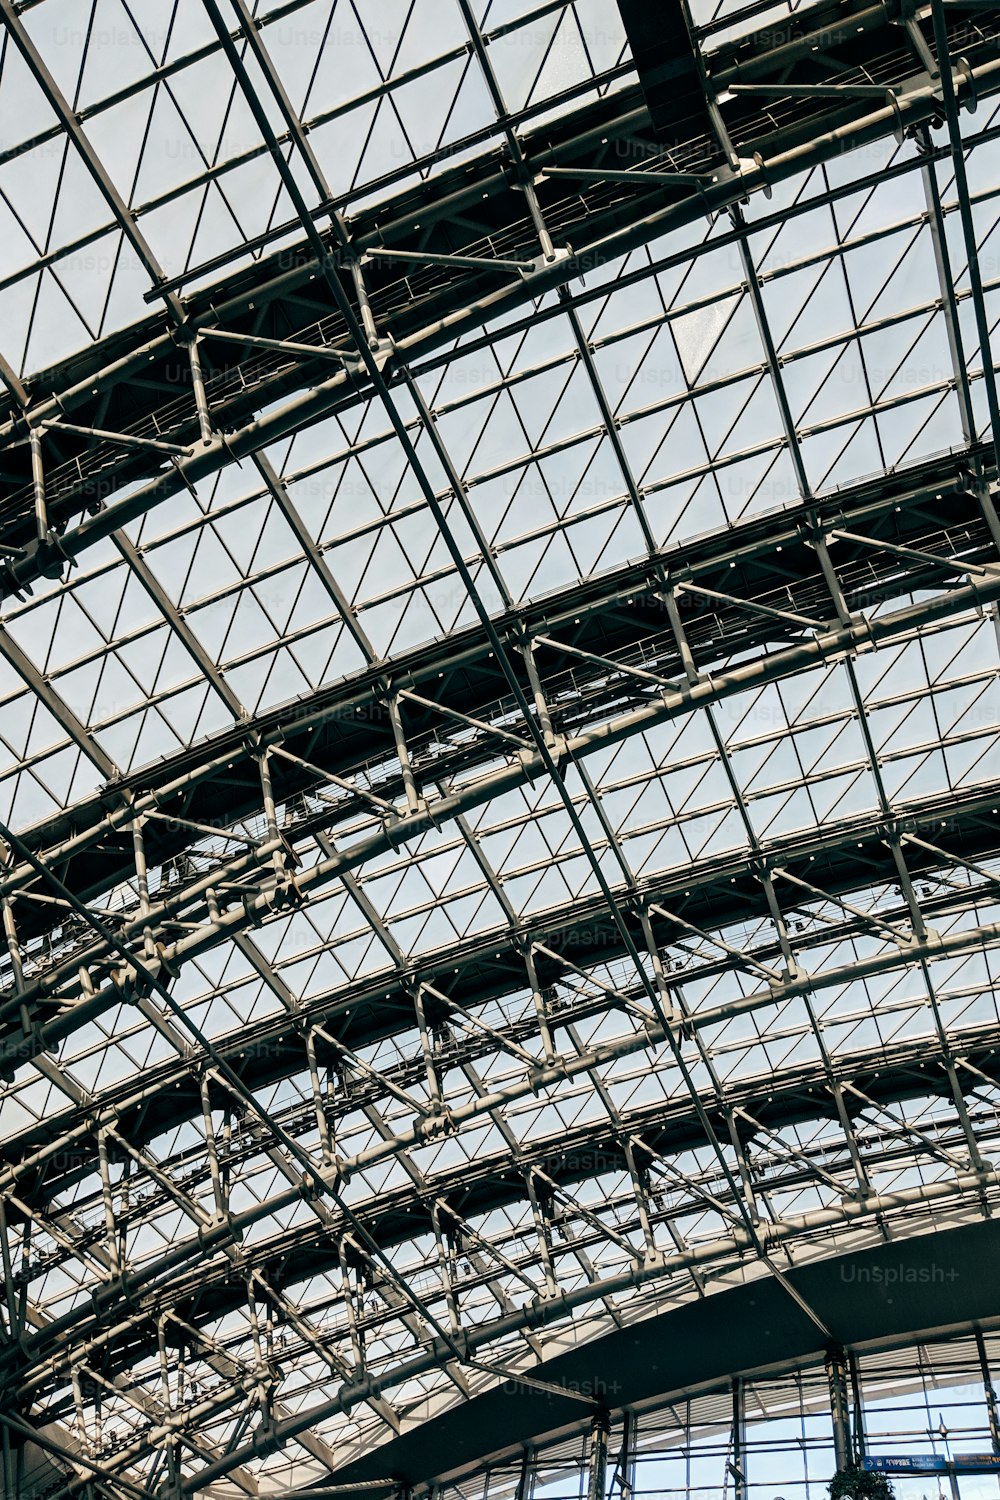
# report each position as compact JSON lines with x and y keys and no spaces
{"x":694,"y":410}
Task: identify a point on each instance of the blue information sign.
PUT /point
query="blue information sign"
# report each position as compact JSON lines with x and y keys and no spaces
{"x":905,"y":1463}
{"x":930,"y":1463}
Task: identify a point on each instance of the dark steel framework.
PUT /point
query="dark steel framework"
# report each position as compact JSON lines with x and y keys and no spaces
{"x":772,"y":1434}
{"x":499,"y":696}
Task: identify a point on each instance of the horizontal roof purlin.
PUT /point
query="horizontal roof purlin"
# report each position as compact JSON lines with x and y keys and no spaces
{"x":498,"y":708}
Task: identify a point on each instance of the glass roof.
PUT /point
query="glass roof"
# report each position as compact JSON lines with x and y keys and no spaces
{"x":514,"y":826}
{"x":385,"y":104}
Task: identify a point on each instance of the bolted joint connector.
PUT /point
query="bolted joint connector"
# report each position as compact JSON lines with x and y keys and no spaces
{"x":600,"y":1422}
{"x":434,"y":1124}
{"x":253,"y":745}
{"x":218,"y":1232}
{"x":285,"y":893}
{"x":266,"y":1438}
{"x":9,"y":581}
{"x":165,"y":967}
{"x":125,"y":980}
{"x":310,"y":1190}
{"x":49,"y":555}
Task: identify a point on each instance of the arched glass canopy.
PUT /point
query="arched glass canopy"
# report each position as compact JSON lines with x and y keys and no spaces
{"x":499,"y":655}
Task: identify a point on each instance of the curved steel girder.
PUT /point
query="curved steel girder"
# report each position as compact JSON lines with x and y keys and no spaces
{"x":578,"y":939}
{"x":544,"y":1312}
{"x":214,"y":906}
{"x":689,"y":1347}
{"x":882,"y":1296}
{"x":798,"y":147}
{"x":861,"y":30}
{"x":210,"y":1289}
{"x":873,"y":1297}
{"x":345,"y":729}
{"x":720,"y":1259}
{"x":866,"y":576}
{"x":424,"y":1130}
{"x":195,"y":1168}
{"x":913,"y":1085}
{"x":858,"y":28}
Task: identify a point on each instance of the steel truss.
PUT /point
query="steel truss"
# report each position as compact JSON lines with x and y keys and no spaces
{"x":637,"y":937}
{"x":410,"y":318}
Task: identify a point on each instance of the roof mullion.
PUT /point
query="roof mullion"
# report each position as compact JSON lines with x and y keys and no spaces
{"x":945,"y":79}
{"x":71,"y":125}
{"x":185,"y":635}
{"x":279,"y":491}
{"x":57,"y":706}
{"x":638,"y":1190}
{"x":607,"y":416}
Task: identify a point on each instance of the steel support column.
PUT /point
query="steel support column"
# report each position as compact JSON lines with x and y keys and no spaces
{"x":836,"y":1374}
{"x":597,"y":1463}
